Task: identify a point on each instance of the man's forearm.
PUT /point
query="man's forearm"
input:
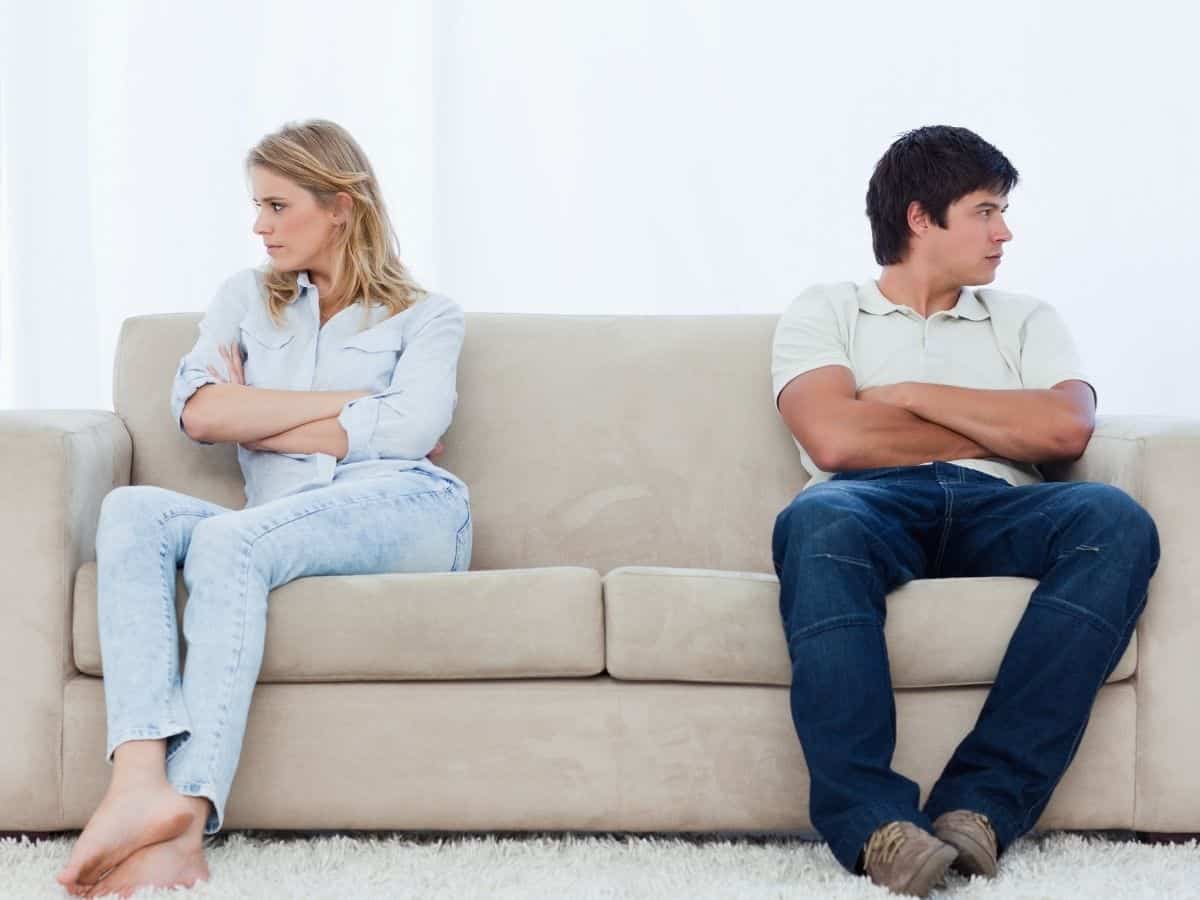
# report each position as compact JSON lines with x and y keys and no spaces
{"x":241,"y":414}
{"x":870,"y":435}
{"x":321,"y":436}
{"x":1022,"y":425}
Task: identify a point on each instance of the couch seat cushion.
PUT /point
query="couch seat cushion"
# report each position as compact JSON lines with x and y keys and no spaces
{"x":517,"y":623}
{"x":700,"y":625}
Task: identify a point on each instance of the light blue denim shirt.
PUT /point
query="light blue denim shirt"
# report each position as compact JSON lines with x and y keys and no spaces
{"x":408,"y":360}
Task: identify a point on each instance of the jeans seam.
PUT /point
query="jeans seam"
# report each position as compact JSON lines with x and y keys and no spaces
{"x":1078,"y":612}
{"x":1112,"y":658}
{"x":854,"y":621}
{"x":169,"y":608}
{"x":850,"y":560}
{"x":458,"y":541}
{"x":945,"y":528}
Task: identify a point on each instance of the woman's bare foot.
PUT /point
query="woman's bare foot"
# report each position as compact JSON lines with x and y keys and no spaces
{"x":135,"y":812}
{"x":178,"y":862}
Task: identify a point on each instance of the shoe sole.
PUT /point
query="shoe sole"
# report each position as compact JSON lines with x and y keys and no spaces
{"x":973,"y":857}
{"x":932,"y":871}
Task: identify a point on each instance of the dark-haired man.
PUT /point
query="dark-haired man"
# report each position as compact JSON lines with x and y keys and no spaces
{"x":921,"y":409}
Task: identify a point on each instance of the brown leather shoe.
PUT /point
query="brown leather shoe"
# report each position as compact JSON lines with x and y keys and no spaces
{"x":971,"y":834}
{"x":906,"y":859}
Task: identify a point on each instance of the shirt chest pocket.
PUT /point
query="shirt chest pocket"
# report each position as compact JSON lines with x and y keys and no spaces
{"x":268,"y":354}
{"x":368,"y":359}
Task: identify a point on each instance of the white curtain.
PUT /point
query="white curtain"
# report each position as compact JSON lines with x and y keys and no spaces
{"x":633,"y":156}
{"x":123,"y":128}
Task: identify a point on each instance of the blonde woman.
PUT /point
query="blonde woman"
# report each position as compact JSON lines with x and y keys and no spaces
{"x":335,"y":376}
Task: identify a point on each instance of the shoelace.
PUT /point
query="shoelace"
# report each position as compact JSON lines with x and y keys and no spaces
{"x":883,"y":845}
{"x":983,"y":823}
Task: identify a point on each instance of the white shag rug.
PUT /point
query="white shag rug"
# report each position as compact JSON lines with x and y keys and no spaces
{"x":260,"y":866}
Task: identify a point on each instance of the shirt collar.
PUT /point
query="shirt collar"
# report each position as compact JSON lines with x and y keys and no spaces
{"x":871,"y":300}
{"x":302,"y":279}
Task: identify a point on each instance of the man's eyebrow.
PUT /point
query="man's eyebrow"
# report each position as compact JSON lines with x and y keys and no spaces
{"x":988,"y":204}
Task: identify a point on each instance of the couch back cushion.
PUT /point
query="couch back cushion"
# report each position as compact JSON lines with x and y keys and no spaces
{"x":590,"y":441}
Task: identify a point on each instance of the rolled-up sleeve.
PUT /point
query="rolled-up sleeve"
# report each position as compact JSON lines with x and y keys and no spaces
{"x":406,"y":420}
{"x":220,"y":326}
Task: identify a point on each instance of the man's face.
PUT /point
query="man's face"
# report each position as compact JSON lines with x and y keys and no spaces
{"x":968,"y":250}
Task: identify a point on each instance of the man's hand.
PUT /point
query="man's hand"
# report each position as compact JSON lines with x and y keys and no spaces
{"x":1024,"y":425}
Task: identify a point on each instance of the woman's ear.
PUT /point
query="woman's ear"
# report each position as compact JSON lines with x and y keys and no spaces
{"x":342,"y":205}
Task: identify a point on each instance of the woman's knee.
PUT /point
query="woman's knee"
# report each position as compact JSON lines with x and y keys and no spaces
{"x":217,"y":538}
{"x":132,"y":503}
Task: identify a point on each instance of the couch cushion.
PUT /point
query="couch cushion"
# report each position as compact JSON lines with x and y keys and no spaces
{"x":521,"y":623}
{"x":700,"y":625}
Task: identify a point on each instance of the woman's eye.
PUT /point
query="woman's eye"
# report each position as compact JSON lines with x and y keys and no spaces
{"x":278,"y":207}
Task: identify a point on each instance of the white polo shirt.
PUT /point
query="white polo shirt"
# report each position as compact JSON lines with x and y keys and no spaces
{"x":989,"y":340}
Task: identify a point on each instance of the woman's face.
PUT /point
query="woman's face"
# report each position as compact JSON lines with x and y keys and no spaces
{"x":298,"y":231}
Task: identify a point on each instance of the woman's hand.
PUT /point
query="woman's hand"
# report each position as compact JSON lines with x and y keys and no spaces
{"x":232,"y":355}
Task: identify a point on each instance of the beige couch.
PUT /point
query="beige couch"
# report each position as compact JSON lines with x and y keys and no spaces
{"x":615,"y":659}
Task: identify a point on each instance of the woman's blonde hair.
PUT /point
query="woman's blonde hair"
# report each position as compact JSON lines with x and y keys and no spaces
{"x":321,"y":157}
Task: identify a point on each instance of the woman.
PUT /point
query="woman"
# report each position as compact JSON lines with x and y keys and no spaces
{"x":335,"y":375}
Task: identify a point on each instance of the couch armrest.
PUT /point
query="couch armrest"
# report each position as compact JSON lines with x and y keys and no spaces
{"x":1157,"y":461}
{"x":55,"y":469}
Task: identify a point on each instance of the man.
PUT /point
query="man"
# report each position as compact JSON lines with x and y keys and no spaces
{"x":921,"y":409}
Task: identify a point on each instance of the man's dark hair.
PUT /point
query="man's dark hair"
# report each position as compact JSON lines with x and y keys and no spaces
{"x":935,"y":166}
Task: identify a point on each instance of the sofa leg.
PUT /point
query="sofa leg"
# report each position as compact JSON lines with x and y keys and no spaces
{"x":1165,"y":837}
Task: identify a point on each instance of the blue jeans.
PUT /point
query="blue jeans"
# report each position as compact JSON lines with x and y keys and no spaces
{"x":842,"y":545}
{"x":409,"y":521}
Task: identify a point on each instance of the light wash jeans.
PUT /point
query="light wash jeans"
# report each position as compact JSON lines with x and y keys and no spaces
{"x":409,"y":521}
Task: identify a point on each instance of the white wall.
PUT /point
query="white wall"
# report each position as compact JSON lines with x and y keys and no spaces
{"x":700,"y":156}
{"x":636,"y":156}
{"x":125,"y":189}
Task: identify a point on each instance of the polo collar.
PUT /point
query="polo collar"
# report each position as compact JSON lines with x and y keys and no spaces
{"x":871,"y":300}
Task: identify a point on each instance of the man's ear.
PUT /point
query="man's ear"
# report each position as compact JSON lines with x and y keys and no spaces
{"x":918,"y":219}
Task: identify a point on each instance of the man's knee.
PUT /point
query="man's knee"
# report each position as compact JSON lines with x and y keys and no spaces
{"x":1118,"y":536}
{"x":823,"y":540}
{"x":1117,"y":522}
{"x":825,"y":518}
